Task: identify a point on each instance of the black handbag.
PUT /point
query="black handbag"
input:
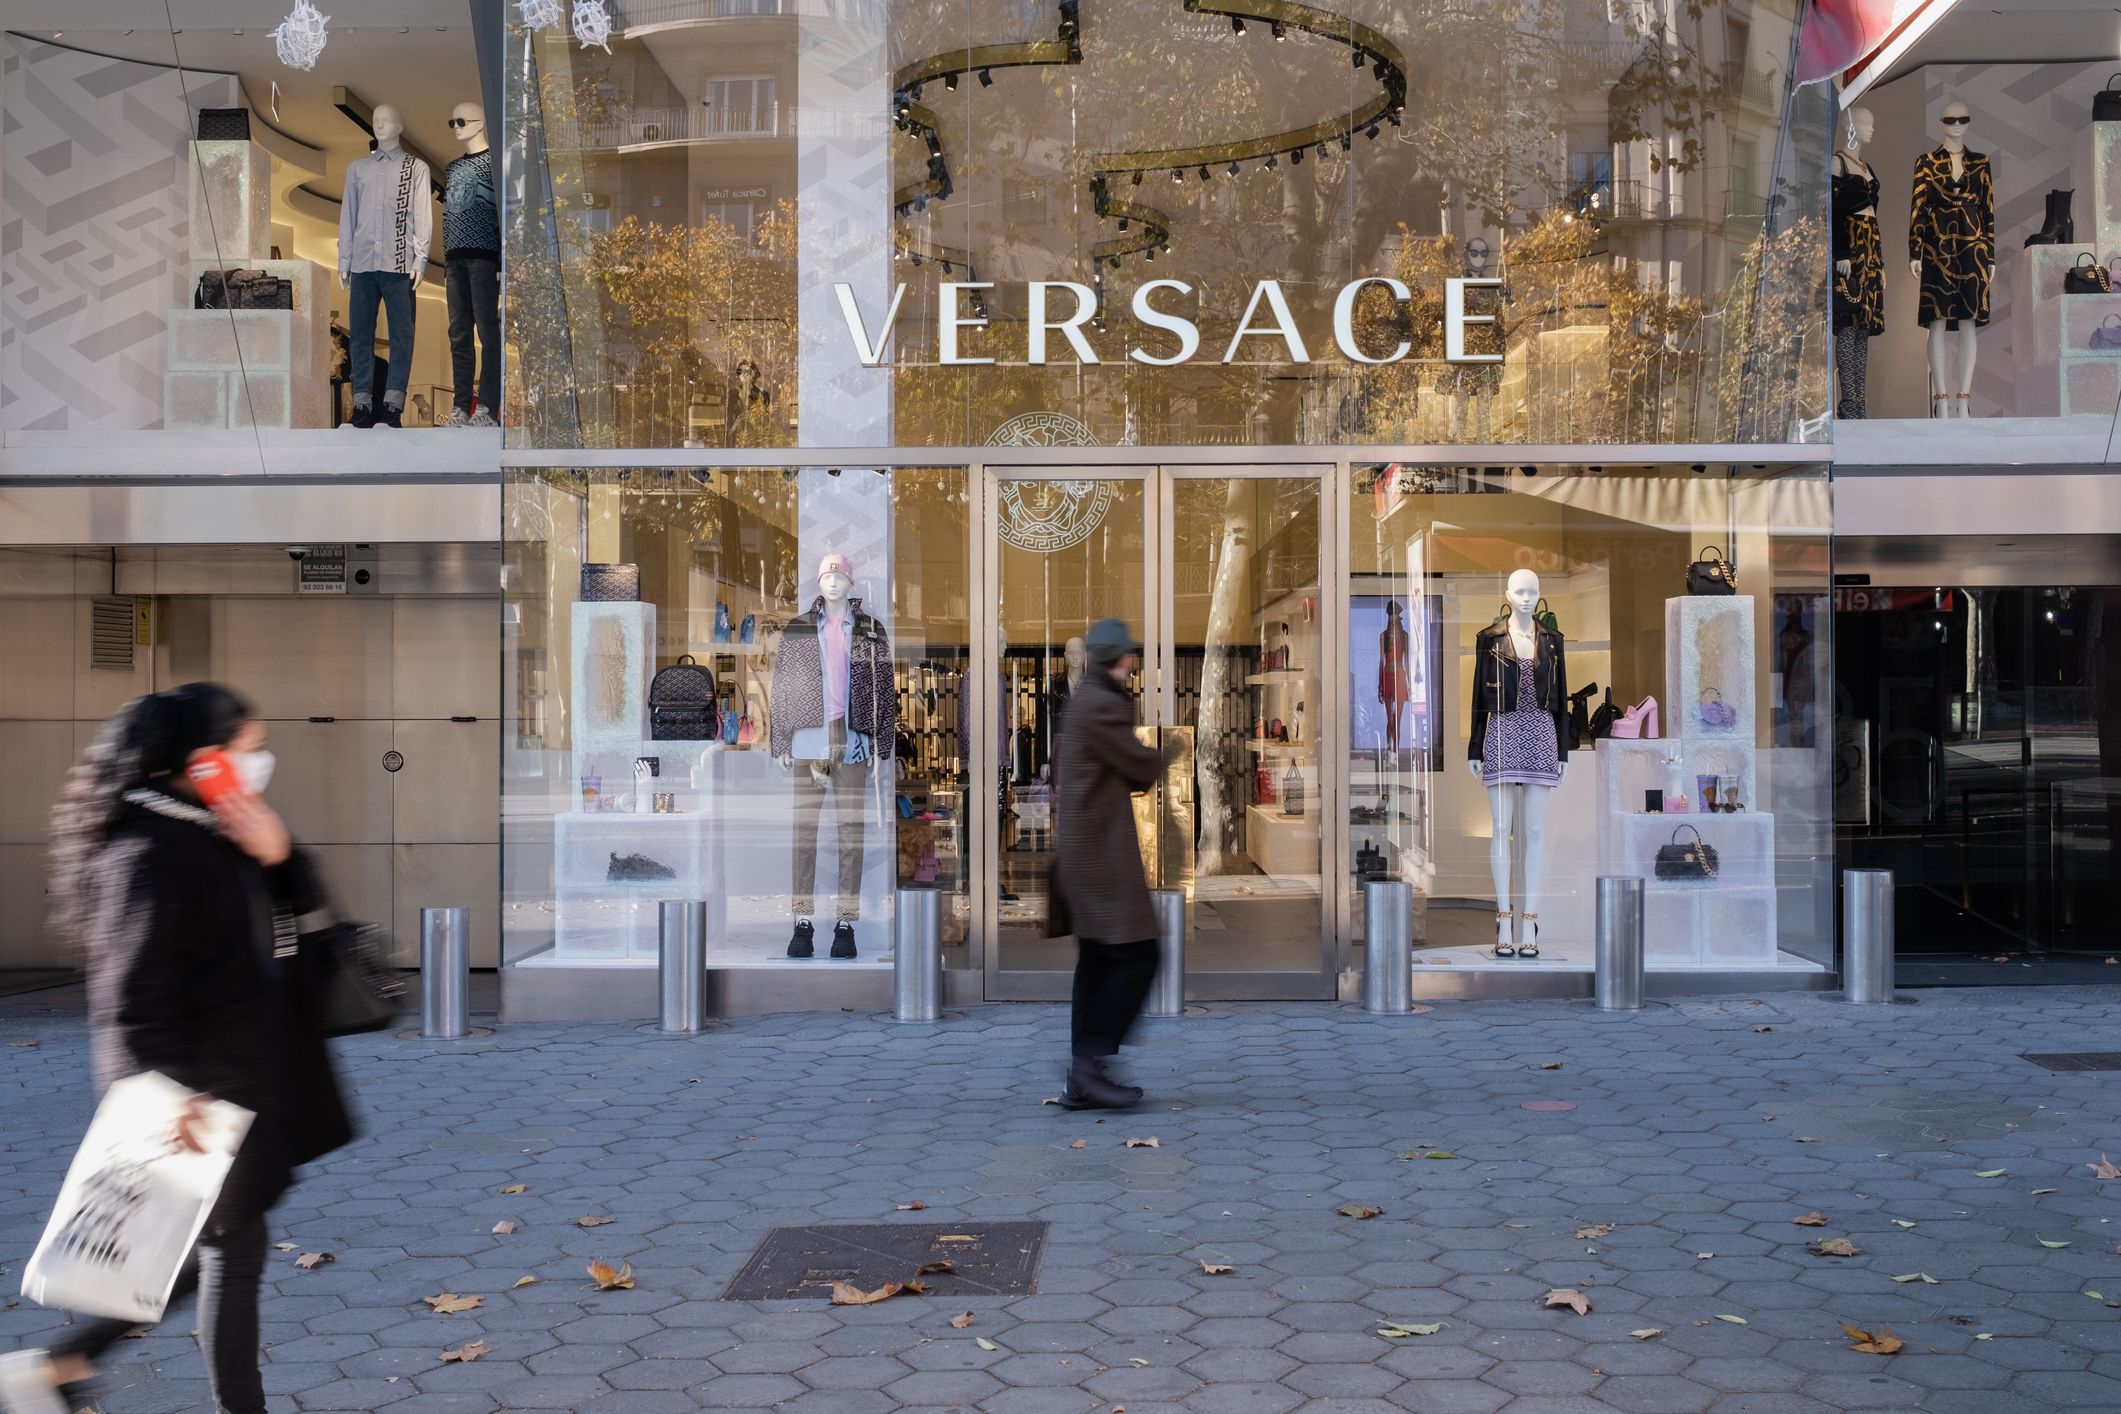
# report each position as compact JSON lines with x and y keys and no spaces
{"x":2087,"y":279}
{"x":346,"y":978}
{"x":1580,"y":715}
{"x":1602,"y":720}
{"x":224,"y":125}
{"x":611,"y":584}
{"x":1679,"y":860}
{"x":2106,"y":103}
{"x":242,"y":289}
{"x":1712,"y":574}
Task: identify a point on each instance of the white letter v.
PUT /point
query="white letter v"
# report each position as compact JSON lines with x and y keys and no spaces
{"x":871,"y":353}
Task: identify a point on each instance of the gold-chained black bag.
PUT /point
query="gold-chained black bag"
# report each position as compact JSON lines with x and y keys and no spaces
{"x":1682,"y":860}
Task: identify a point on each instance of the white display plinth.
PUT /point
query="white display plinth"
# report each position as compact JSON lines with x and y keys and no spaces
{"x":602,"y":919}
{"x":1283,"y":844}
{"x":612,"y":657}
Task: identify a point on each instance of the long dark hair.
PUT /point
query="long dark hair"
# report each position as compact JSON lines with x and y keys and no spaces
{"x":146,"y":742}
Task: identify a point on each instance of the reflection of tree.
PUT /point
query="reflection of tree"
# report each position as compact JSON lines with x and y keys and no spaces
{"x":1770,"y":313}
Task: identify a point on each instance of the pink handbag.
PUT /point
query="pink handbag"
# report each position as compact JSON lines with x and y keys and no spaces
{"x":1638,"y":722}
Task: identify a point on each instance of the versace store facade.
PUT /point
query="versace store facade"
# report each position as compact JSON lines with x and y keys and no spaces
{"x":1440,"y":388}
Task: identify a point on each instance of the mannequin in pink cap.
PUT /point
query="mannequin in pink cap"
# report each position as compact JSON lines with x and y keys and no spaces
{"x":834,"y":711}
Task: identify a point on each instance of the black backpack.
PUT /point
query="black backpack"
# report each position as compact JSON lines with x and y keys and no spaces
{"x":681,"y":703}
{"x":1602,"y":720}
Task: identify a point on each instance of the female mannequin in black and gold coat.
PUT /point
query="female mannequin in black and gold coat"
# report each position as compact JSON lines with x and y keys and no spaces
{"x":1951,"y":247}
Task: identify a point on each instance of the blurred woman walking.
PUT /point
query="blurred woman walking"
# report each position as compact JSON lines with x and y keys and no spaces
{"x":186,"y":917}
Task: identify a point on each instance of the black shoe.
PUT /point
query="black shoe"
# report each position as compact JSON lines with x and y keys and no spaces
{"x":1089,"y":1088}
{"x":843,"y":940}
{"x":390,"y":416}
{"x":637,"y":868}
{"x":363,"y":416}
{"x":800,"y":942}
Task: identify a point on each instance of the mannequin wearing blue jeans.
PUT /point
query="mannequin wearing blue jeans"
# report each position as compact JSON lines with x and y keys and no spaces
{"x":365,"y":290}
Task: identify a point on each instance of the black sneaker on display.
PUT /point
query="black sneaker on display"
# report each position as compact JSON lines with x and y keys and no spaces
{"x":843,"y":940}
{"x":363,"y":416}
{"x":636,"y":868}
{"x":800,"y":944}
{"x":390,"y":416}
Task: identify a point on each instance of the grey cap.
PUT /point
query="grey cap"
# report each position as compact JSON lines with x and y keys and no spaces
{"x":1110,"y":640}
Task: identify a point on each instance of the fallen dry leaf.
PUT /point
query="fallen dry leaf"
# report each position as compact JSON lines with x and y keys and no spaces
{"x":957,"y":1237}
{"x":1734,"y":1320}
{"x":1758,"y":1029}
{"x":287,"y":1246}
{"x":847,"y":1294}
{"x":466,"y":1353}
{"x":1924,"y":1277}
{"x":449,"y":1303}
{"x":1080,"y":1144}
{"x":1137,"y":1362}
{"x":1879,"y":1342}
{"x":985,"y":1344}
{"x":592,"y":1220}
{"x":1594,"y":1230}
{"x":1811,"y":1219}
{"x":1215,"y":1269}
{"x":1991,"y":1173}
{"x":504,"y":1227}
{"x":1149,"y":1143}
{"x":2038,"y":1191}
{"x":2051,"y":1246}
{"x":2105,"y":1168}
{"x":1834,"y":1247}
{"x":1650,"y":1334}
{"x":1550,"y":1065}
{"x":515,"y":1188}
{"x":1806,"y":1139}
{"x":24,"y":1045}
{"x":914,"y":1207}
{"x":960,"y":1322}
{"x":1358,"y":1210}
{"x":1439,"y":1154}
{"x":1570,"y":1297}
{"x":1902,"y":1222}
{"x":610,"y":1278}
{"x":523,"y":1281}
{"x":1703,"y":1256}
{"x":310,"y":1261}
{"x":942,"y":1267}
{"x":1401,"y":1330}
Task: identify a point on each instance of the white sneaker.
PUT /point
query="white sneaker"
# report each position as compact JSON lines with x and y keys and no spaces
{"x":458,"y":418}
{"x":483,"y":418}
{"x":26,"y":1384}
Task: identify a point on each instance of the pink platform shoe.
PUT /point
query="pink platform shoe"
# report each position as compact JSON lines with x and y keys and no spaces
{"x":1638,"y":722}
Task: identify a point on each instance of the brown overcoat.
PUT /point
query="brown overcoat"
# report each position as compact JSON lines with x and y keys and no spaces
{"x":1098,"y":766}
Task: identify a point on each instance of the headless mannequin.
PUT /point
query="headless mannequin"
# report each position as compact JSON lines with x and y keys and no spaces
{"x":1951,"y":355}
{"x":1519,"y":812}
{"x":1858,"y":131}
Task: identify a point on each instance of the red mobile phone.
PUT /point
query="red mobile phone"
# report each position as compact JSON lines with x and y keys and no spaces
{"x":215,"y":777}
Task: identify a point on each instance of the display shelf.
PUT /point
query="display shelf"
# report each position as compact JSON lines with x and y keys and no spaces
{"x":1744,"y":843}
{"x":1279,"y":677}
{"x":1301,"y":749}
{"x":1283,"y":844}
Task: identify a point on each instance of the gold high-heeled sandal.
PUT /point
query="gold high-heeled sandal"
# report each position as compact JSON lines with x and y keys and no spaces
{"x":1530,"y":949}
{"x":1503,"y":949}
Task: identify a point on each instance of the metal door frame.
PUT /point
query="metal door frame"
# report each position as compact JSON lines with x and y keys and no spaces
{"x":1158,"y":480}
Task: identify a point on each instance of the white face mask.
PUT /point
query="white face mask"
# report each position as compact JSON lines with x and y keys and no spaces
{"x":255,"y":769}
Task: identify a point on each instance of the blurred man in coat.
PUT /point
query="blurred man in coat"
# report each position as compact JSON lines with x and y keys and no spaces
{"x":1099,"y":887}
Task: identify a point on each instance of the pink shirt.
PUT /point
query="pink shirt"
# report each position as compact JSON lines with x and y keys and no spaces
{"x":835,"y":641}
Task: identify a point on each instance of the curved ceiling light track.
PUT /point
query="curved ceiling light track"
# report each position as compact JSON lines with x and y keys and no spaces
{"x":1142,"y":229}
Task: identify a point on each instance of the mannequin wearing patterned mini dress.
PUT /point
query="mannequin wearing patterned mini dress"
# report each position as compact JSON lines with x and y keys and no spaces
{"x":1859,"y":264}
{"x":1951,"y":247}
{"x":1519,"y":749}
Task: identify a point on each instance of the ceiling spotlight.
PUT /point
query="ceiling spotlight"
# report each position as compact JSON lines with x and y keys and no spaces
{"x":1281,"y":31}
{"x":950,"y":82}
{"x":1323,"y":151}
{"x":1529,"y":470}
{"x":986,"y":78}
{"x":1358,"y":57}
{"x":1178,"y":175}
{"x":1371,"y":132}
{"x":1123,"y":223}
{"x":915,"y":91}
{"x":1233,"y":169}
{"x":1273,"y":161}
{"x":916,"y":259}
{"x":1297,"y":157}
{"x":1152,"y":252}
{"x":1137,"y":179}
{"x":1347,"y":140}
{"x":1237,"y":22}
{"x":946,"y":267}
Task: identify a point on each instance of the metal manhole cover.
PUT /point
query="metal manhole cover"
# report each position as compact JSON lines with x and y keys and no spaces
{"x":802,"y":1263}
{"x":2075,"y":1060}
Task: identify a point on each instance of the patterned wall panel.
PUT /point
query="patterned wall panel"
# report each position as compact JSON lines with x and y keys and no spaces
{"x":92,"y":247}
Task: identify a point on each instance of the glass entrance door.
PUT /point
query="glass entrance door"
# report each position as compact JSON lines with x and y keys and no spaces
{"x":1219,"y":571}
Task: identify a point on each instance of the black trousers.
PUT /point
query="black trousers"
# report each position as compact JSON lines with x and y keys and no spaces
{"x":226,"y":1271}
{"x":1112,"y":981}
{"x":473,"y":286}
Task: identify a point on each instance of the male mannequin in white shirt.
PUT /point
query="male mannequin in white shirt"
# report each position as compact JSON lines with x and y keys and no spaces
{"x":385,"y":223}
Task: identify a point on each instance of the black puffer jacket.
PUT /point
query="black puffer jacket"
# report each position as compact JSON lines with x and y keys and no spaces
{"x":182,"y":979}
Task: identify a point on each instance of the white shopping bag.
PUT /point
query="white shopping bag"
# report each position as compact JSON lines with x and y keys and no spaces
{"x":133,"y":1202}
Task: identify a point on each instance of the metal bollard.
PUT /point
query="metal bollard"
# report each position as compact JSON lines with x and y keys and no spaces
{"x":1867,"y":935}
{"x":917,"y":964}
{"x":1167,"y":997}
{"x":1388,"y":947}
{"x":445,"y":973}
{"x":1618,"y":986}
{"x":681,"y":971}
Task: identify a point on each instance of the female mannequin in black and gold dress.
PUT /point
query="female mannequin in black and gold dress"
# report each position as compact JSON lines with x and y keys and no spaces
{"x":1859,"y":264}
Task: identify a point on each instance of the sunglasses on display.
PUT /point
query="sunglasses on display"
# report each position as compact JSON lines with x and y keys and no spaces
{"x":466,"y":122}
{"x":1954,"y":122}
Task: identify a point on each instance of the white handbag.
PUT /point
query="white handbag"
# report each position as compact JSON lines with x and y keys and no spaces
{"x":133,"y":1202}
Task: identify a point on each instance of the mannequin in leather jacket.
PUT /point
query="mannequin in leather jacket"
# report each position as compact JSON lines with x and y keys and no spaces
{"x":1529,"y":744}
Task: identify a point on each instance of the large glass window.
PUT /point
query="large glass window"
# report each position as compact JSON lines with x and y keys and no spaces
{"x":739,"y":686}
{"x":1503,"y":755}
{"x":1636,"y":194}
